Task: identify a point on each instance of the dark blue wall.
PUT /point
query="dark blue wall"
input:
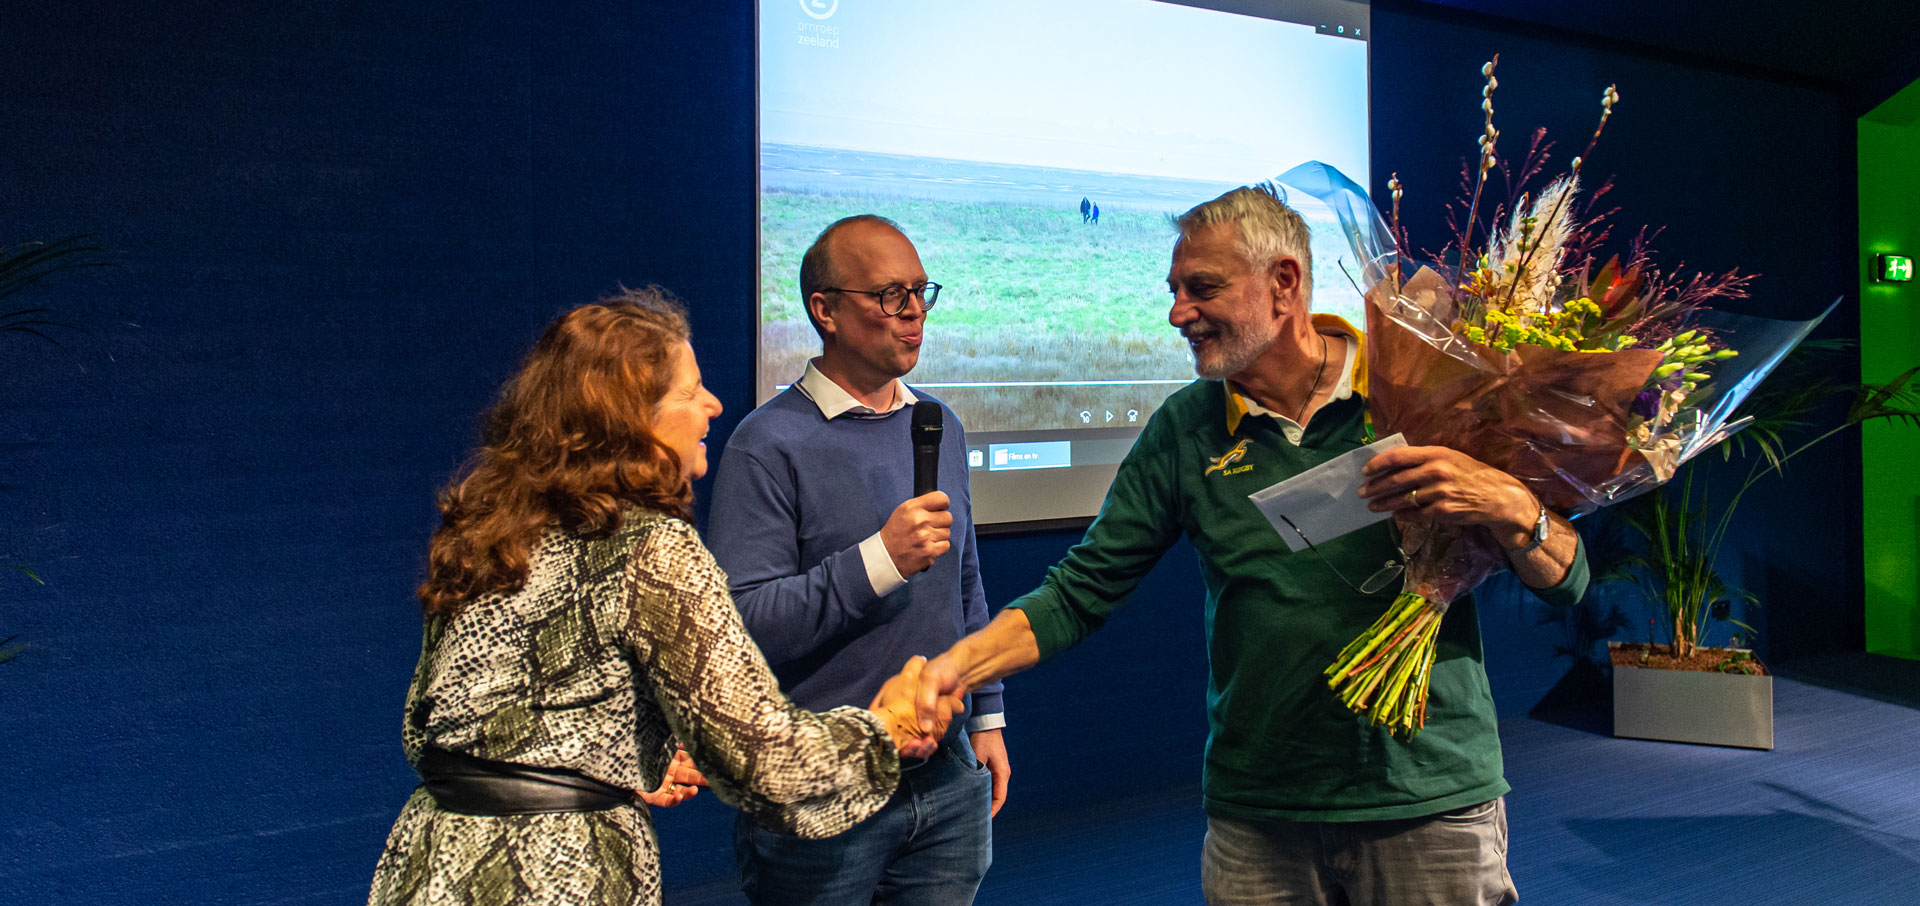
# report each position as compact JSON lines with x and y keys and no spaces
{"x":337,"y":225}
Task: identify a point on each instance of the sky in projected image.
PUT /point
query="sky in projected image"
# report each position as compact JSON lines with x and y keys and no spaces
{"x":1033,"y":151}
{"x":1117,"y":86}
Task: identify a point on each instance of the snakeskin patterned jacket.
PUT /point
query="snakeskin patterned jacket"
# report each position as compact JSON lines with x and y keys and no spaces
{"x":616,"y":647}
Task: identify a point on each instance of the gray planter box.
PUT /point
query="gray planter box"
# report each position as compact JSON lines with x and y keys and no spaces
{"x":1716,"y":709}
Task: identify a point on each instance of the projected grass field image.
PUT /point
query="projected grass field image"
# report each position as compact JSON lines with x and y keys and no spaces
{"x":1028,"y":295}
{"x":1034,"y":290}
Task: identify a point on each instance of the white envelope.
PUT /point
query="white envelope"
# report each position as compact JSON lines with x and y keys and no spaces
{"x":1323,"y":502}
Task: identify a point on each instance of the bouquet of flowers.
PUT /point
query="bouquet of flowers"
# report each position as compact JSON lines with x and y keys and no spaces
{"x":1590,"y":381}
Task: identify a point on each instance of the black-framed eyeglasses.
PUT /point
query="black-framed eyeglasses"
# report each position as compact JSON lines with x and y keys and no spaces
{"x":1374,"y":584}
{"x":893,"y":296}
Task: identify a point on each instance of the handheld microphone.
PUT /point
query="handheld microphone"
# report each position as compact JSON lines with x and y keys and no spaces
{"x":927,"y":425}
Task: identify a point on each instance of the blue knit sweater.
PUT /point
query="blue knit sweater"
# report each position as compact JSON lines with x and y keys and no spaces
{"x":794,"y":497}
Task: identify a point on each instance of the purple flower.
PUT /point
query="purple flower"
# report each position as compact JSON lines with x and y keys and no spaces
{"x":1647,"y":404}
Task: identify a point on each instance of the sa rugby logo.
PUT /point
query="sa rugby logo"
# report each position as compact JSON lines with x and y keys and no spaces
{"x":1239,"y":452}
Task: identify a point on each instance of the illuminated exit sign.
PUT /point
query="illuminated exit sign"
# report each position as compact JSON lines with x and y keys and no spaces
{"x":1893,"y":269}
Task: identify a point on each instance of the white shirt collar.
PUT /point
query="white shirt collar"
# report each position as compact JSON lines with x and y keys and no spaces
{"x":834,"y":401}
{"x":1341,"y":391}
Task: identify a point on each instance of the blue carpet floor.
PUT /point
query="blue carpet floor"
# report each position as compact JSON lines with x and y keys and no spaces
{"x":1832,"y":815}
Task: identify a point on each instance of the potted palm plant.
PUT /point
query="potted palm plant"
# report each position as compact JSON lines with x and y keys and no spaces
{"x":1684,"y":691}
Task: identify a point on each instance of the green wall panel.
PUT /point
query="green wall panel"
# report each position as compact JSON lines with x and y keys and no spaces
{"x":1889,"y":344}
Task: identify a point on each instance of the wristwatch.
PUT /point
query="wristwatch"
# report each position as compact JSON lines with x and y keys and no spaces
{"x":1539,"y":533}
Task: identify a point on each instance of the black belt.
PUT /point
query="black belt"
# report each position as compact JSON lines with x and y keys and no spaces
{"x":476,"y":786}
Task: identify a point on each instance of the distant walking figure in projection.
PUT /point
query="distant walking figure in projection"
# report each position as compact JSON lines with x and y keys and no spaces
{"x":1085,"y":207}
{"x":1096,"y":213}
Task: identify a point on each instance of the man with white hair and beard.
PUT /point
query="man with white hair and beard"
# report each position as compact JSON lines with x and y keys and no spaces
{"x":1306,"y":802}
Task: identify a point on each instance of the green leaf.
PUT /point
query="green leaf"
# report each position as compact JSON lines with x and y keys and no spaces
{"x":1891,"y":400}
{"x":23,"y":265}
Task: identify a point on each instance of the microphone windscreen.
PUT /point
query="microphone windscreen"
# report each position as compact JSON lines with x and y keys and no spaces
{"x":927,"y":422}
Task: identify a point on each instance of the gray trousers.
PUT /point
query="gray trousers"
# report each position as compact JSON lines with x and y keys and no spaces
{"x":1456,"y":858}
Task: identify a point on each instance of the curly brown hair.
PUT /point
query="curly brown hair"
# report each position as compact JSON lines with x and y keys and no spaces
{"x":567,"y":445}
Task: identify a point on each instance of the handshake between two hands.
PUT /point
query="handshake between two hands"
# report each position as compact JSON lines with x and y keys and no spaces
{"x":917,"y":729}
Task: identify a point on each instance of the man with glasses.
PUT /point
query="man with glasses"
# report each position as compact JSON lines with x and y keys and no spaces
{"x":841,"y":575}
{"x":1306,"y":802}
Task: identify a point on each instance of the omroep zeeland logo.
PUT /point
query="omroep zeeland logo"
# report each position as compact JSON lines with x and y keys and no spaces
{"x":820,"y":9}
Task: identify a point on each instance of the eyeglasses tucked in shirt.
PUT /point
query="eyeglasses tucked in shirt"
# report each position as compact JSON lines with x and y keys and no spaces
{"x":1381,"y":577}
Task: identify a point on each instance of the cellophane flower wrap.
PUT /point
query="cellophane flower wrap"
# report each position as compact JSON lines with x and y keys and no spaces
{"x":1588,"y":382}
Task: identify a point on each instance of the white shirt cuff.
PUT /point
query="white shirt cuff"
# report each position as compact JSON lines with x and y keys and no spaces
{"x":986,"y":722}
{"x":881,"y":573}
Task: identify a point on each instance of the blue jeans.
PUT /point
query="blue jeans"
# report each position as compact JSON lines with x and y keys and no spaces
{"x":1451,"y":859}
{"x":928,"y":846}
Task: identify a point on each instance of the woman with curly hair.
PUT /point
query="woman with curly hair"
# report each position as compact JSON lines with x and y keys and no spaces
{"x":576,"y":628}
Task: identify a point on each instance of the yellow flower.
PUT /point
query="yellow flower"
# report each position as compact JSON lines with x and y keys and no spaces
{"x":1583,"y":308}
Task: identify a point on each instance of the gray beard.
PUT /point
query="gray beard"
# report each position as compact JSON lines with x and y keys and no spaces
{"x":1234,"y":351}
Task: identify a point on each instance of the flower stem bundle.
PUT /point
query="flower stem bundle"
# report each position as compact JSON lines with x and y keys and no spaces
{"x":1387,"y":671}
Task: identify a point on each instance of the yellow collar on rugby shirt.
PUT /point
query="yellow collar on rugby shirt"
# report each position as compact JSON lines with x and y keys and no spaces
{"x":1237,"y":405}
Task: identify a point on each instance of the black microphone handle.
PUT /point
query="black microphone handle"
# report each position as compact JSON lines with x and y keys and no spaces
{"x":926,"y":469}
